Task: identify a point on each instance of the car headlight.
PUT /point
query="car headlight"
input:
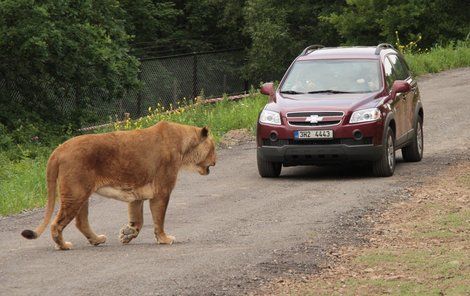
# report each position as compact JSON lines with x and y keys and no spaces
{"x":365,"y":115}
{"x":270,"y":117}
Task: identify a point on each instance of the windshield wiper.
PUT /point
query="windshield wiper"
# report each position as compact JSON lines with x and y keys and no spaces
{"x":291,"y":92}
{"x":331,"y":91}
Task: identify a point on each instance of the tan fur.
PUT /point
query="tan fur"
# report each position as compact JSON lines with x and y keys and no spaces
{"x":130,"y":166}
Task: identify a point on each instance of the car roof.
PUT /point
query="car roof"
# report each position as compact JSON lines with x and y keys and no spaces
{"x":356,"y":52}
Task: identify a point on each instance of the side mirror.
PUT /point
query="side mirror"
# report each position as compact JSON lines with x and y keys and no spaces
{"x":267,"y":89}
{"x":400,"y":86}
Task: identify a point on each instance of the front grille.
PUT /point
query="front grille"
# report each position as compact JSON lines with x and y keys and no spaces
{"x":322,"y":123}
{"x":323,"y":118}
{"x":307,"y":114}
{"x":349,"y":142}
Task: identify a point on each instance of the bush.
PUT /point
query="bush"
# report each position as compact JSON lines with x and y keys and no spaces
{"x":440,"y":58}
{"x":219,"y":117}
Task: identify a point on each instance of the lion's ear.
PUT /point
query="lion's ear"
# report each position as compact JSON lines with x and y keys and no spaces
{"x":204,"y":132}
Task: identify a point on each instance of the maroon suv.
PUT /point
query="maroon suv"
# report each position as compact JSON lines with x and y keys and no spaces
{"x":341,"y":104}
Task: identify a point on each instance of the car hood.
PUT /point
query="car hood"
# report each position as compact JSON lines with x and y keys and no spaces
{"x":324,"y":102}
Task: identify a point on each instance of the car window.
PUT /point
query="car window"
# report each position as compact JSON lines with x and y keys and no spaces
{"x":354,"y":75}
{"x":390,"y":75}
{"x":401,"y":72}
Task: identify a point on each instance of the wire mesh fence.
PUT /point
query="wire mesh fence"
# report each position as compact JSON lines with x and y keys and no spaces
{"x":167,"y":80}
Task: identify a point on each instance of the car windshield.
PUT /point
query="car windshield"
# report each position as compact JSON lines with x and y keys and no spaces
{"x":333,"y":76}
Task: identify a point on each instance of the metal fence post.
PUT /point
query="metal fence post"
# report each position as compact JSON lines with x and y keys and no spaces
{"x":175,"y":92}
{"x":140,"y":93}
{"x":225,"y":84}
{"x":195,"y":82}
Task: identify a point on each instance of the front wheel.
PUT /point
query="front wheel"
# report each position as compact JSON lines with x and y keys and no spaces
{"x":385,"y":166}
{"x":268,"y":169}
{"x":414,"y":151}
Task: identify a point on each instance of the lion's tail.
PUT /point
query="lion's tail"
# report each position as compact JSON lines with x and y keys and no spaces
{"x":51,"y":176}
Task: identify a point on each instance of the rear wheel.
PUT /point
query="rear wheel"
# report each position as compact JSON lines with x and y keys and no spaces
{"x":385,"y":166}
{"x":414,"y":151}
{"x":268,"y":169}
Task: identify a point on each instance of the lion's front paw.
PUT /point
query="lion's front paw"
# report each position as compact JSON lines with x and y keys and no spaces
{"x":127,"y":234}
{"x":165,"y":239}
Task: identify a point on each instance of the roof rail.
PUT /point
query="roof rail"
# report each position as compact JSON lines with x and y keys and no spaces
{"x":311,"y":48}
{"x":383,"y":46}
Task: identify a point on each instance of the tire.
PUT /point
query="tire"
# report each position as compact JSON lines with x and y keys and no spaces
{"x":414,"y":151}
{"x":268,"y":169}
{"x":385,"y":166}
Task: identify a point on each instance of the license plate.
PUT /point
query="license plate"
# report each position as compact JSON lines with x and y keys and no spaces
{"x":318,"y":134}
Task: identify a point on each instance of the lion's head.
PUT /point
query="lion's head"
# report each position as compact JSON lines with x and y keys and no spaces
{"x":201,"y":156}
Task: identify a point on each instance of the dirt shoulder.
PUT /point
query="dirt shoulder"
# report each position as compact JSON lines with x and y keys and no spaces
{"x":417,"y":247}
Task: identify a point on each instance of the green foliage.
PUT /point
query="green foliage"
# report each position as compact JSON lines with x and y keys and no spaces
{"x":440,"y":58}
{"x":221,"y":117}
{"x":267,"y":26}
{"x":279,"y":30}
{"x":22,"y":184}
{"x":165,"y":27}
{"x":148,"y":20}
{"x":368,"y":22}
{"x":213,"y":23}
{"x":63,"y":49}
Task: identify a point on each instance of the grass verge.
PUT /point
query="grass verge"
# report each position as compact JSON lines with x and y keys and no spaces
{"x":440,"y":58}
{"x":221,"y":117}
{"x":22,"y":184}
{"x":419,"y":247}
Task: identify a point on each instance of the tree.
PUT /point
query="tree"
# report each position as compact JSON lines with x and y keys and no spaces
{"x":63,"y":50}
{"x":368,"y":22}
{"x":279,"y":30}
{"x":152,"y":24}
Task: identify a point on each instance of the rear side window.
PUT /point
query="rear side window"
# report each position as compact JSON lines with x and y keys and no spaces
{"x":390,"y":75}
{"x":400,"y":69}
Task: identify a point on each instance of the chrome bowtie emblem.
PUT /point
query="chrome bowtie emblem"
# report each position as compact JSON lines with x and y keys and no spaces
{"x":314,"y":119}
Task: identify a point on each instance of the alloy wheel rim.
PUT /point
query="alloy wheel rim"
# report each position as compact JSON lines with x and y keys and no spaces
{"x":390,"y":152}
{"x":419,"y":136}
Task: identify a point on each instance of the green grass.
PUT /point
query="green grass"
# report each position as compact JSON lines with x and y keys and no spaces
{"x":22,"y":184}
{"x":220,"y":117}
{"x":439,"y":58}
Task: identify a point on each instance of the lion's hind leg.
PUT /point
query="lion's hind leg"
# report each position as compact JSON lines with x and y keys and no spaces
{"x":81,"y":221}
{"x":66,"y":213}
{"x":71,"y":200}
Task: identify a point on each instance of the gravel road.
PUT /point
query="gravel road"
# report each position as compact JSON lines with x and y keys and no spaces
{"x":235,"y":231}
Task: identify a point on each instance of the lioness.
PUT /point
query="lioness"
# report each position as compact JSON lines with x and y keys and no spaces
{"x":130,"y":166}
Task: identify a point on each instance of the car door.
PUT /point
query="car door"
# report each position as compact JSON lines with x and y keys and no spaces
{"x":402,"y":73}
{"x":397,"y":103}
{"x":411,"y":99}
